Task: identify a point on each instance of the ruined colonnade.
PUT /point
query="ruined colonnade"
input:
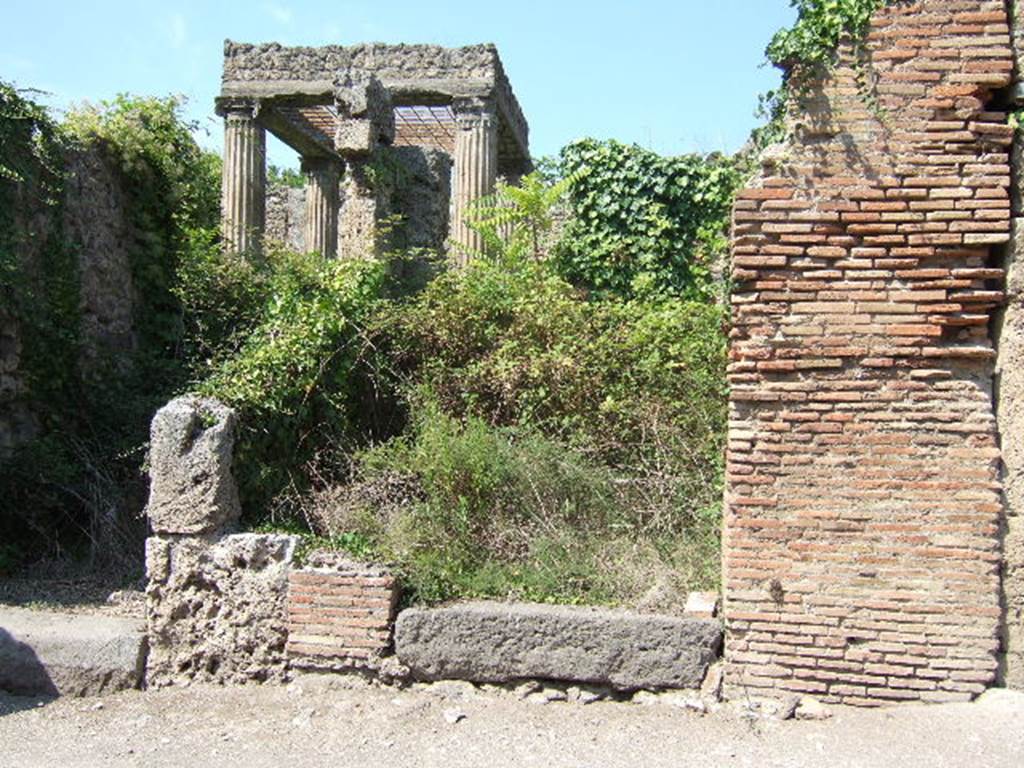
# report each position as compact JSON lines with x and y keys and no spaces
{"x":338,"y":107}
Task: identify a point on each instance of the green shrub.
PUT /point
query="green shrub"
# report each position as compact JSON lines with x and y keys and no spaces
{"x":295,"y":376}
{"x":519,"y":345}
{"x":559,"y":448}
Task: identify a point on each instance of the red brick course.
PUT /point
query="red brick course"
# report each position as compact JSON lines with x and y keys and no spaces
{"x":861,"y":539}
{"x":340,"y":615}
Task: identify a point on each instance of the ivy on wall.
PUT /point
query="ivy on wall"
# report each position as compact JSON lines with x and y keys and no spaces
{"x":69,"y":488}
{"x":810,"y":48}
{"x":820,"y":27}
{"x":642,"y":223}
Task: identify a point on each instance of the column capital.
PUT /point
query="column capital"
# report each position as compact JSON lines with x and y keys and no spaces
{"x":472,"y":112}
{"x":237,"y":107}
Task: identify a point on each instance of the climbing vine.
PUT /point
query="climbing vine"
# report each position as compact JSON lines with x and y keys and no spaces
{"x":809,"y":48}
{"x":820,"y":27}
{"x":642,"y":223}
{"x":81,"y":472}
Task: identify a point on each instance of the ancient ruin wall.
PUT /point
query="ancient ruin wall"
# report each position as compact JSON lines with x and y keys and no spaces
{"x":863,"y":505}
{"x":94,"y":224}
{"x":1009,"y":333}
{"x":419,"y":189}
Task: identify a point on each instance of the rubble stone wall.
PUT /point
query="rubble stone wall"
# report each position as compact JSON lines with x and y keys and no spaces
{"x":216,"y":608}
{"x":863,"y":512}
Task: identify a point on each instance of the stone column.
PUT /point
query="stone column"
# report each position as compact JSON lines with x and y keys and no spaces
{"x":322,"y":178}
{"x":475,"y":170}
{"x":244,"y":179}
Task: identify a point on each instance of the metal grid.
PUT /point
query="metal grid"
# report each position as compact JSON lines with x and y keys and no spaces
{"x":321,"y":119}
{"x":420,"y":126}
{"x":424,"y":126}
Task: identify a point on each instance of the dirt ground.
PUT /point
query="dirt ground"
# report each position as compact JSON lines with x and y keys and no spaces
{"x":103,"y":595}
{"x":343,"y":722}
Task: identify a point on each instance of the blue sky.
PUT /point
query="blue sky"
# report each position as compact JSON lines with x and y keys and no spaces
{"x":677,"y":77}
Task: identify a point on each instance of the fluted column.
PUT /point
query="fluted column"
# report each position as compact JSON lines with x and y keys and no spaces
{"x":322,"y":178}
{"x":244,"y":179}
{"x":475,"y":170}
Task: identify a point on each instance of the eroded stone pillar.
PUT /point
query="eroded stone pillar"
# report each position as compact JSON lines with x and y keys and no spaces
{"x":475,"y":170}
{"x":361,"y":212}
{"x":366,"y":126}
{"x":244,"y":179}
{"x":322,"y":178}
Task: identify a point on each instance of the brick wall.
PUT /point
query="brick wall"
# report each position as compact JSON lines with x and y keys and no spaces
{"x":340,"y":613}
{"x":863,"y":506}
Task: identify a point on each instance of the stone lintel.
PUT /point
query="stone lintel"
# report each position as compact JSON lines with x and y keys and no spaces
{"x":304,"y":139}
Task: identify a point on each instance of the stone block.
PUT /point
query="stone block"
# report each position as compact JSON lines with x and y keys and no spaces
{"x":216,"y":609}
{"x":366,"y":115}
{"x":48,"y":653}
{"x":192,"y":489}
{"x":498,"y":643}
{"x":355,"y":137}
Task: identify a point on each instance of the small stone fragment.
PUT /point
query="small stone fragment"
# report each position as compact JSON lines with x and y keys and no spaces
{"x":787,"y":707}
{"x":453,"y":716}
{"x":810,"y":708}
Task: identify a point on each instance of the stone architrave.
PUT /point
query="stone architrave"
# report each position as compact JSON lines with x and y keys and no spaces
{"x":244,"y":178}
{"x":192,"y":489}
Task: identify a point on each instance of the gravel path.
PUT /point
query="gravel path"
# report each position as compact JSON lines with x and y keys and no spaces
{"x":341,"y":722}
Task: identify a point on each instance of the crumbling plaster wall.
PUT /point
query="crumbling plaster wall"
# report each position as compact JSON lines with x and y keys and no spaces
{"x":95,"y":226}
{"x":861,"y":546}
{"x":1009,"y":334}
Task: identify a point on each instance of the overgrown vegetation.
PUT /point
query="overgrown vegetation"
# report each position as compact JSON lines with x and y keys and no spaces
{"x":642,"y":224}
{"x":560,"y":448}
{"x":549,"y":441}
{"x":39,"y":312}
{"x":77,"y":488}
{"x":546,"y":423}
